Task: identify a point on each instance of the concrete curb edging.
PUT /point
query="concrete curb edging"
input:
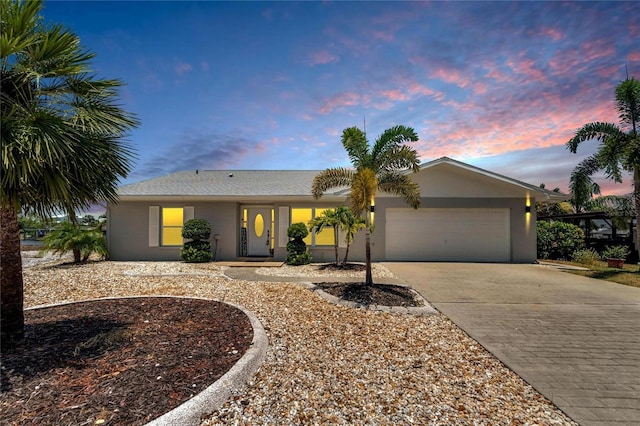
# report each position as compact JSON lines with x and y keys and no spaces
{"x":427,"y":309}
{"x":213,"y":397}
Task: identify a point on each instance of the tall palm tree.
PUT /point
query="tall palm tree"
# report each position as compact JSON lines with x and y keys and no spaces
{"x":380,"y":167}
{"x":619,"y":149}
{"x":62,"y":138}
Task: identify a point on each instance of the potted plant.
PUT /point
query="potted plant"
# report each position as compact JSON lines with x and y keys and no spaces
{"x":615,"y":255}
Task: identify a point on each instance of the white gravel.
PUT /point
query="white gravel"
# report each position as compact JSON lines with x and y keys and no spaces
{"x":326,"y":364}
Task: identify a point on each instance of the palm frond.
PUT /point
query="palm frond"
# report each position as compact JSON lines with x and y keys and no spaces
{"x":581,"y":184}
{"x":628,"y":102}
{"x":390,"y":141}
{"x":331,"y":178}
{"x":599,"y":131}
{"x":400,"y":184}
{"x":355,"y":143}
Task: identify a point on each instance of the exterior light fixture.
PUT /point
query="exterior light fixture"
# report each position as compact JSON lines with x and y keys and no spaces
{"x":527,"y":209}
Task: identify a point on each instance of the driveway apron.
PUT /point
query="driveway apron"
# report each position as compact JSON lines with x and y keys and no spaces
{"x":575,"y":339}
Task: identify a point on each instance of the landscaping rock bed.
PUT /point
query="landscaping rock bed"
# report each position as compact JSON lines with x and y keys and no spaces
{"x":328,"y":363}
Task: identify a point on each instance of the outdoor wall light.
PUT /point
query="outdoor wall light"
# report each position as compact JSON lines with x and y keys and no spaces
{"x":527,"y":209}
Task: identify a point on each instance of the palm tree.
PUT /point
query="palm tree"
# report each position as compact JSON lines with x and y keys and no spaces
{"x":619,"y":148}
{"x":380,"y":167}
{"x":81,"y":241}
{"x":340,"y":219}
{"x":328,"y":218}
{"x":350,"y":224}
{"x":62,"y":138}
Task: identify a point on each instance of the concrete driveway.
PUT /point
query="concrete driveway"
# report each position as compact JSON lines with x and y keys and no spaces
{"x":575,"y":339}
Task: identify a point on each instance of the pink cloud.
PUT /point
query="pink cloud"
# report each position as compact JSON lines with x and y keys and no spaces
{"x":182,"y":68}
{"x":526,"y":67}
{"x":553,"y":33}
{"x":395,"y":95}
{"x":322,"y":57}
{"x":452,"y":76}
{"x":340,"y":100}
{"x":633,"y":57}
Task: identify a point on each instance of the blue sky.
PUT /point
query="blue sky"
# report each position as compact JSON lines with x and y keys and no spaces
{"x":271,"y":85}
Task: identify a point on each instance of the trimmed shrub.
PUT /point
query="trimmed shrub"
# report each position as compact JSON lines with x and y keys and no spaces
{"x":196,"y":229}
{"x":586,"y":256}
{"x":297,"y":253}
{"x":558,"y":240}
{"x":197,"y":250}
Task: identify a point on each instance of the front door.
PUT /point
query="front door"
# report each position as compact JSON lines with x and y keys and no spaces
{"x":259,"y":231}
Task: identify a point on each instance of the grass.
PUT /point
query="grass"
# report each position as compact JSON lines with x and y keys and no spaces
{"x":628,"y":275}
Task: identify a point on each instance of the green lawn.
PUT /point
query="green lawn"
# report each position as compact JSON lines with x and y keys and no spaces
{"x":629,"y":275}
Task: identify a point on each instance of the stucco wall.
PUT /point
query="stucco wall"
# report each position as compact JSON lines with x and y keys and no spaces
{"x":128,"y":230}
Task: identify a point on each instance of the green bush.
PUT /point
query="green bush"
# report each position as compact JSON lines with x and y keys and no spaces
{"x":196,"y":254}
{"x":615,"y":252}
{"x":558,"y":240}
{"x":197,"y":250}
{"x":587,"y":256}
{"x":81,"y":241}
{"x":297,"y":253}
{"x":196,"y":229}
{"x":297,"y":231}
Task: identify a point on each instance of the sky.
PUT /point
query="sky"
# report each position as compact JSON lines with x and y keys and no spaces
{"x":271,"y":85}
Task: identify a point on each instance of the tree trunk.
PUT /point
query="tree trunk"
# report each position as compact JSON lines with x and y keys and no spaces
{"x":76,"y":255}
{"x":367,"y":237}
{"x":335,"y":245}
{"x":636,"y":201}
{"x":346,"y":255}
{"x":11,"y":284}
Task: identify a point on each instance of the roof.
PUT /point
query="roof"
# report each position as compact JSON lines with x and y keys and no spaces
{"x":225,"y":183}
{"x":256,"y":184}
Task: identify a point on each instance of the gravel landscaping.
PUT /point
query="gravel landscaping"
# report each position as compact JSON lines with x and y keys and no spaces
{"x":326,"y":363}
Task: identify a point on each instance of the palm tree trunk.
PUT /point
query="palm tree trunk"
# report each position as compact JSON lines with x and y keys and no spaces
{"x":636,"y":201}
{"x":11,"y":284}
{"x":367,"y":236}
{"x":335,"y":244}
{"x":346,"y":255}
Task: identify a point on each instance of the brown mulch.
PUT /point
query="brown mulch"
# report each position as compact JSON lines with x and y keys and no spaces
{"x":120,"y":361}
{"x":376,"y":294}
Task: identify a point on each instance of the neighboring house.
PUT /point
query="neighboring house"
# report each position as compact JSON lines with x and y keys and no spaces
{"x":466,"y":214}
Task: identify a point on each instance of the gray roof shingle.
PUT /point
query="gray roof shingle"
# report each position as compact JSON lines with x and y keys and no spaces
{"x":225,"y":183}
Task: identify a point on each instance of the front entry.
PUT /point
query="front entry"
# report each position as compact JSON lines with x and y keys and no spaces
{"x":259,"y":231}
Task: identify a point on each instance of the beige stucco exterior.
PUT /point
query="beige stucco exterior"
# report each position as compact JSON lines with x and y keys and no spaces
{"x":443,"y":185}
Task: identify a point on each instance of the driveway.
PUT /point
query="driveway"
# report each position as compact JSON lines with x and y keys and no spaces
{"x":575,"y":339}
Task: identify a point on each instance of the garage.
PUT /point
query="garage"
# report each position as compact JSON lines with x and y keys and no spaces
{"x":448,"y":234}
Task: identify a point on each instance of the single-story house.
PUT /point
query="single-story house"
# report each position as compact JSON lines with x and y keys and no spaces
{"x":466,"y":214}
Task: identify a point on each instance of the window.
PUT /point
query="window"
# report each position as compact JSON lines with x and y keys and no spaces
{"x":325,"y":237}
{"x":172,"y":221}
{"x":165,"y":225}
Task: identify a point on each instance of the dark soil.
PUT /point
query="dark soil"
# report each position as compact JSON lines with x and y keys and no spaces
{"x":121,"y":361}
{"x":376,"y":294}
{"x":342,"y":267}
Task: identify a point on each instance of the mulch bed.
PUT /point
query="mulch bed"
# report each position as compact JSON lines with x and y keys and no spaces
{"x":376,"y":294}
{"x":120,"y":361}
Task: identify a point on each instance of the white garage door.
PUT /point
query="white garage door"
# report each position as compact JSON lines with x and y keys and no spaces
{"x":463,"y":235}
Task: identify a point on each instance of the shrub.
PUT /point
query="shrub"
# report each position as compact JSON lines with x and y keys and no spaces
{"x":196,"y":229}
{"x":558,"y":240}
{"x":68,"y":237}
{"x":297,"y":253}
{"x":197,"y":250}
{"x":615,"y":252}
{"x":586,"y":256}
